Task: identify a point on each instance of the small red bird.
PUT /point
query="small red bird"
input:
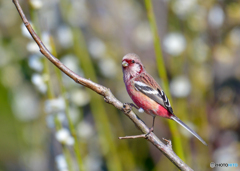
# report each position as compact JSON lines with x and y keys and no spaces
{"x":146,"y":93}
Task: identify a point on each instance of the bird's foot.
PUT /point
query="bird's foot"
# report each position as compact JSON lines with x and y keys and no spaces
{"x":133,"y":105}
{"x":150,"y":130}
{"x":128,"y":107}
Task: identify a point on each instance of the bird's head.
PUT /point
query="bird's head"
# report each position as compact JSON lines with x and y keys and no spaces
{"x":131,"y":66}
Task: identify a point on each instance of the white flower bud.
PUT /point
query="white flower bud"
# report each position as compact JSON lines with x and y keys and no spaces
{"x":216,"y":16}
{"x":108,"y":67}
{"x":37,"y":80}
{"x":180,"y":86}
{"x":33,"y":47}
{"x":174,"y":43}
{"x":35,"y":63}
{"x":61,"y":162}
{"x":70,"y":141}
{"x":62,"y":135}
{"x":36,"y":4}
{"x":97,"y":48}
{"x":55,"y":105}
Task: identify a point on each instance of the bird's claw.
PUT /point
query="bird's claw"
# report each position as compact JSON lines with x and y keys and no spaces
{"x":127,"y":107}
{"x":150,"y":130}
{"x":133,"y":105}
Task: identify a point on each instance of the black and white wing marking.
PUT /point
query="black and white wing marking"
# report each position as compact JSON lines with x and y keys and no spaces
{"x":156,"y":95}
{"x":145,"y":88}
{"x":166,"y":101}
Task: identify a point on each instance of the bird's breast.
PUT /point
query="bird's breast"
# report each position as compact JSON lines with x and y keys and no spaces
{"x":150,"y":106}
{"x":143,"y":101}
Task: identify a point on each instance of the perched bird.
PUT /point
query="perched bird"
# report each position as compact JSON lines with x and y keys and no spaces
{"x":146,"y":93}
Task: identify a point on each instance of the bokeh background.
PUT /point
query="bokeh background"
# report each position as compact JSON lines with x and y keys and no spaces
{"x":41,"y":110}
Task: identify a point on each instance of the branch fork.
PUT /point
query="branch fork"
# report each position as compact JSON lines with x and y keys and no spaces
{"x":169,"y":143}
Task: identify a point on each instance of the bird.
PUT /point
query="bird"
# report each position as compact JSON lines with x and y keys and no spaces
{"x":147,"y":94}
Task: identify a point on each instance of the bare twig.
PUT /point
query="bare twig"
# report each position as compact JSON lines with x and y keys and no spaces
{"x":134,"y":136}
{"x":169,"y":143}
{"x":108,"y":96}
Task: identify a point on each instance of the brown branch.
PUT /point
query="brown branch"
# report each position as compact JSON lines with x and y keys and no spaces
{"x":134,"y":136}
{"x":108,"y":97}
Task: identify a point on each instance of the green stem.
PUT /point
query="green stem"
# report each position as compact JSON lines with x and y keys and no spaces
{"x":108,"y":146}
{"x":50,"y":95}
{"x":124,"y":150}
{"x":65,"y":150}
{"x":71,"y":125}
{"x":177,"y":144}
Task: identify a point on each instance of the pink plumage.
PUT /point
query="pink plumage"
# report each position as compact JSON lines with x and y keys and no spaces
{"x":150,"y":106}
{"x":146,"y":93}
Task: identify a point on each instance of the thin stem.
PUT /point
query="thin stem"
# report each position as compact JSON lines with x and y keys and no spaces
{"x":97,"y":106}
{"x":163,"y":75}
{"x":71,"y":126}
{"x":58,"y":124}
{"x":65,"y":150}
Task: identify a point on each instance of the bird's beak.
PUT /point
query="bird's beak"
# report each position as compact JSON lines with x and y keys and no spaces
{"x":124,"y":64}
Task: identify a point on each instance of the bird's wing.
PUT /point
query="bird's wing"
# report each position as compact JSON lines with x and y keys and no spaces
{"x":148,"y":86}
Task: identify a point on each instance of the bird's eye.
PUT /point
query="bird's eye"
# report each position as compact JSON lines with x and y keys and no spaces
{"x":133,"y":61}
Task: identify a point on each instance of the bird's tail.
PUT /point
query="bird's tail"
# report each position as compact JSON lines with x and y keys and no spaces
{"x":189,"y":129}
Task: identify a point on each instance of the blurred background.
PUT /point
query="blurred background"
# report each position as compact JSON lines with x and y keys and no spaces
{"x":48,"y":122}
